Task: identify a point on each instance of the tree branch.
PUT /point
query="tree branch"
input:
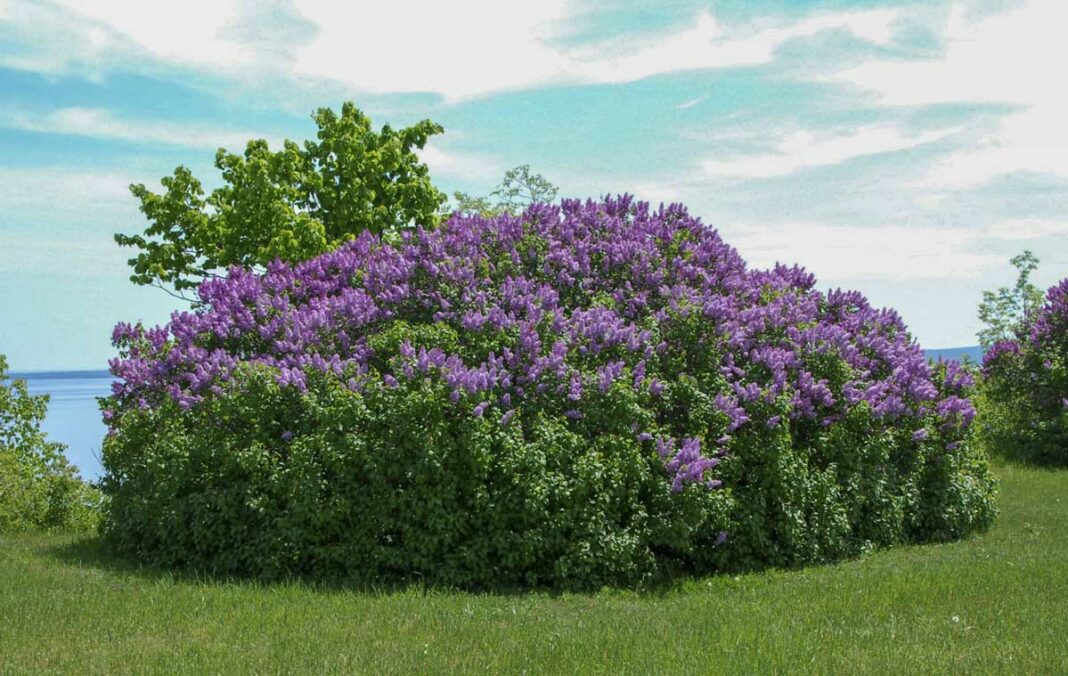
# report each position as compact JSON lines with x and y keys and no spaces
{"x":176,"y":294}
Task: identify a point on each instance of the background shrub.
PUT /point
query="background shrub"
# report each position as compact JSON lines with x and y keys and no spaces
{"x":38,"y":487}
{"x":1024,"y":397}
{"x":584,"y":394}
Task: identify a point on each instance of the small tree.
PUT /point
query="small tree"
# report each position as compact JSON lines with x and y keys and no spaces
{"x":519,"y":188}
{"x":38,"y":487}
{"x":1006,"y":311}
{"x":293,"y":204}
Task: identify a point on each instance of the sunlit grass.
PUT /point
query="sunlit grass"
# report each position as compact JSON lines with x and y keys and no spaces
{"x":995,"y":602}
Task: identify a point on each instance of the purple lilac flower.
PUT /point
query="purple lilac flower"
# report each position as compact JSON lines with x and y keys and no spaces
{"x":997,"y":352}
{"x":769,"y":329}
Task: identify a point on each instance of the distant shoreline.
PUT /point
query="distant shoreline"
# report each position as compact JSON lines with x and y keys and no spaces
{"x":973,"y":352}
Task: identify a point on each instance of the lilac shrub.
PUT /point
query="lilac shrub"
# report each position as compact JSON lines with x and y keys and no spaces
{"x":1025,"y":387}
{"x":582,"y":394}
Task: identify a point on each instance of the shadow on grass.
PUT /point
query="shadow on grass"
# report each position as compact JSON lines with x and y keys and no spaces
{"x":92,"y":552}
{"x":1010,"y":448}
{"x":1023,"y":459}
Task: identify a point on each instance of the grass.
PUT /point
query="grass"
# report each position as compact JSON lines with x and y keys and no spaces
{"x":997,"y":602}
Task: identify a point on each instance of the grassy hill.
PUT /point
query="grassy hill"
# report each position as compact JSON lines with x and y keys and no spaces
{"x":991,"y":603}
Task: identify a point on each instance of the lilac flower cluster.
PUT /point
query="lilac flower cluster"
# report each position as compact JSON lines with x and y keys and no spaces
{"x":997,"y":352}
{"x":553,"y":310}
{"x":1052,"y":321}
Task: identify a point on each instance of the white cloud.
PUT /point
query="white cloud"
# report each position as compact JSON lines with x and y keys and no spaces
{"x":61,"y":220}
{"x":458,"y":50}
{"x":517,"y":53}
{"x":26,"y":189}
{"x":1027,"y":228}
{"x":191,"y":31}
{"x":442,"y":162}
{"x":654,"y":193}
{"x":708,"y":45}
{"x":803,"y":149}
{"x":836,"y":252}
{"x":1011,"y":58}
{"x":101,"y":123}
{"x":46,"y":39}
{"x":690,"y":103}
{"x":77,"y":254}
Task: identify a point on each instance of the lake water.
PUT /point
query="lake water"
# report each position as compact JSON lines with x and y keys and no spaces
{"x":73,"y":416}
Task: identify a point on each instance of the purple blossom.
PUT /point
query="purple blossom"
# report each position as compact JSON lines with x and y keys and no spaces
{"x":687,"y":464}
{"x":997,"y":352}
{"x":612,"y":292}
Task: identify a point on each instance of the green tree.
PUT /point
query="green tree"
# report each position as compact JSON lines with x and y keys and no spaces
{"x":1005,"y":311}
{"x":519,"y":188}
{"x":293,"y":204}
{"x":38,"y":487}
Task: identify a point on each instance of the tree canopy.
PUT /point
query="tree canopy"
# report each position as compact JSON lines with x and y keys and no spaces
{"x":519,"y":188}
{"x":293,"y":203}
{"x":1006,"y":311}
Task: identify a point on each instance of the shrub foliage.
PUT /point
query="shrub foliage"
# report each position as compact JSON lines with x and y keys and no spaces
{"x":39,"y":489}
{"x":584,"y":394}
{"x":1025,"y":389}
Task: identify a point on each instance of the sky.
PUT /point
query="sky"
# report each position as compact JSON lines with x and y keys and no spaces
{"x":905,"y":149}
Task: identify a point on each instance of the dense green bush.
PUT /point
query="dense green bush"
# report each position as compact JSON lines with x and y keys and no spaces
{"x":1024,"y":393}
{"x":39,"y":489}
{"x":587,"y":394}
{"x":391,"y":483}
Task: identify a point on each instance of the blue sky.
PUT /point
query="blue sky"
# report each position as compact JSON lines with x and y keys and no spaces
{"x":907,"y":149}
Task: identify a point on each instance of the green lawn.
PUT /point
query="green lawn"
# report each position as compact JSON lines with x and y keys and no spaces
{"x":993,"y":603}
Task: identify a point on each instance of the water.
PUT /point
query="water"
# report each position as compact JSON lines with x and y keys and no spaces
{"x":973,"y":353}
{"x":73,"y":415}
